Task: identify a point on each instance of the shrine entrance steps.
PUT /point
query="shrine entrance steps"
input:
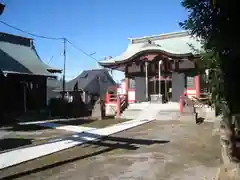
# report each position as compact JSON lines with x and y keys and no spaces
{"x":168,"y":111}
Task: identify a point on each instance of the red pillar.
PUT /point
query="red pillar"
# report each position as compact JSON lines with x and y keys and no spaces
{"x":126,"y":87}
{"x":197,"y":85}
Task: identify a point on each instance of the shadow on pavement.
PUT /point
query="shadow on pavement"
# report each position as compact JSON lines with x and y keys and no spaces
{"x":200,"y":120}
{"x":75,"y":122}
{"x":28,"y":127}
{"x":46,"y":167}
{"x":37,"y":126}
{"x":11,"y":143}
{"x":111,"y":143}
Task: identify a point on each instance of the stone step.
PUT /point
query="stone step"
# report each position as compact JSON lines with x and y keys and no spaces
{"x":167,"y":115}
{"x":144,"y":110}
{"x":190,"y":117}
{"x":138,"y":106}
{"x":130,"y":114}
{"x":128,"y":117}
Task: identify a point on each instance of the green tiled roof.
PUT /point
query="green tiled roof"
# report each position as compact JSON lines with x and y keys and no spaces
{"x":18,"y":55}
{"x":173,"y":44}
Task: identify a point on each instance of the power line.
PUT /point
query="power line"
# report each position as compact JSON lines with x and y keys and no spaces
{"x":82,"y":51}
{"x":53,"y":38}
{"x":50,"y":60}
{"x":32,"y":34}
{"x":50,"y":38}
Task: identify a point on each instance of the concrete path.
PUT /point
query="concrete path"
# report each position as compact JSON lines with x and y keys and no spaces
{"x":168,"y":111}
{"x":25,"y":154}
{"x":78,"y":129}
{"x":46,"y":121}
{"x":51,"y":124}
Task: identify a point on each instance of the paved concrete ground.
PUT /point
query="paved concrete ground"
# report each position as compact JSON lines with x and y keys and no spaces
{"x":18,"y":156}
{"x":19,"y":136}
{"x":159,"y":150}
{"x":28,"y":134}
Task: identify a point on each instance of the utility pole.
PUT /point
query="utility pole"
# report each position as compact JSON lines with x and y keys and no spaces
{"x":64,"y":68}
{"x":159,"y":77}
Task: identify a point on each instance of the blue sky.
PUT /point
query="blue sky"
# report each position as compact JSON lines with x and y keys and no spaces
{"x":100,"y":26}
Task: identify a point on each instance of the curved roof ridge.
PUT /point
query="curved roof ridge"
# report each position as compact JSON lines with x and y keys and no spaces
{"x":159,"y":37}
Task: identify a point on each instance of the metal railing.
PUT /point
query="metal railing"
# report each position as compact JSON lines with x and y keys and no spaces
{"x":201,"y":102}
{"x":195,"y":102}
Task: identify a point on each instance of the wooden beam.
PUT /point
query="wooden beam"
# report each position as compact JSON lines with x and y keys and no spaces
{"x":151,"y":57}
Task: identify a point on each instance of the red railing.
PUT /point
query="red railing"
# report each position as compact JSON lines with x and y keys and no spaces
{"x":121,"y":101}
{"x":111,"y":95}
{"x":121,"y":105}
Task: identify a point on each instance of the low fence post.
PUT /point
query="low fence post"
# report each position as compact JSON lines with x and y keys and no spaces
{"x":118,"y":106}
{"x":107,"y":97}
{"x":181,"y":104}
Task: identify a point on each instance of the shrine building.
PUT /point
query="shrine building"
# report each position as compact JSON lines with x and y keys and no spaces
{"x":159,"y":68}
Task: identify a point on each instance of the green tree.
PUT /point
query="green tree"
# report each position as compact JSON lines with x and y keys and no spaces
{"x":216,"y":24}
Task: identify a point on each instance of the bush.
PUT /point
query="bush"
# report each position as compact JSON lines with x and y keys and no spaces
{"x":60,"y":107}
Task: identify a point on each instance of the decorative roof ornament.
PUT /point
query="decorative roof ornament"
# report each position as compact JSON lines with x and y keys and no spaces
{"x":152,"y":42}
{"x":108,"y":57}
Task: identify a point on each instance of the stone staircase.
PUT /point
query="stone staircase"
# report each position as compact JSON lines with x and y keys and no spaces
{"x":190,"y":112}
{"x":134,"y":110}
{"x":169,"y":111}
{"x":167,"y":115}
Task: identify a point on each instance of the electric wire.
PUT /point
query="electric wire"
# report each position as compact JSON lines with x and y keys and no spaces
{"x":31,"y":34}
{"x":49,"y":38}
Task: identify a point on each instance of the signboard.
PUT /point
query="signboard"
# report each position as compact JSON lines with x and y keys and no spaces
{"x":190,"y":82}
{"x":134,"y":68}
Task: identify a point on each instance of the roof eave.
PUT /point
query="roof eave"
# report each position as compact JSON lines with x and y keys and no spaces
{"x":170,"y":55}
{"x":53,"y":70}
{"x":161,"y":36}
{"x":32,"y":74}
{"x":67,"y":90}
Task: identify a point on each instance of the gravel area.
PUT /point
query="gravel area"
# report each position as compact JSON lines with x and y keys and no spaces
{"x":160,"y":150}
